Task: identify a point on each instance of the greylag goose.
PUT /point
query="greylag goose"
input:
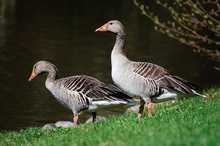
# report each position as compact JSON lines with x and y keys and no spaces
{"x":80,"y":92}
{"x":150,"y":82}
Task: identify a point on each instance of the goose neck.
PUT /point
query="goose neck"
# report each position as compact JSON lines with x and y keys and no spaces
{"x":52,"y":74}
{"x":119,"y":44}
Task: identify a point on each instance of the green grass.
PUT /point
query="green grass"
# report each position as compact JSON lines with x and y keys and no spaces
{"x":191,"y":122}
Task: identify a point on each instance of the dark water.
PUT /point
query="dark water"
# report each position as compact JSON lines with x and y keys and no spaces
{"x":62,"y":32}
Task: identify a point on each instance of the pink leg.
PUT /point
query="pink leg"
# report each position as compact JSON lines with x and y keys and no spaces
{"x":149,"y":109}
{"x":75,"y":120}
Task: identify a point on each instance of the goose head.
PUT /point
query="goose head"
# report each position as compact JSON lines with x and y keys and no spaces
{"x":42,"y":67}
{"x":113,"y":26}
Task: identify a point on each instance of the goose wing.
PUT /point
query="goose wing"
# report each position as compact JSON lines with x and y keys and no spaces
{"x":94,"y":89}
{"x":164,"y":78}
{"x":102,"y":91}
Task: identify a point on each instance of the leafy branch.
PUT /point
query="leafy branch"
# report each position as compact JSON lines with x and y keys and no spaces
{"x":195,"y":23}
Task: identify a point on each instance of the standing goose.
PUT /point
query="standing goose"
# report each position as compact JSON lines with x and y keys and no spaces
{"x":151,"y":82}
{"x":79,"y":93}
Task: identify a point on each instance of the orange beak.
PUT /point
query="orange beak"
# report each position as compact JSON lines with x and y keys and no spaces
{"x":102,"y":28}
{"x":33,"y":75}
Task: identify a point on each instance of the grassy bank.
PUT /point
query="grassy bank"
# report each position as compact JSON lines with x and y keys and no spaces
{"x":191,"y":122}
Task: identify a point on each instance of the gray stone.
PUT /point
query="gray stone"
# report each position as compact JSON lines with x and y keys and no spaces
{"x":48,"y":126}
{"x":98,"y":118}
{"x":65,"y":124}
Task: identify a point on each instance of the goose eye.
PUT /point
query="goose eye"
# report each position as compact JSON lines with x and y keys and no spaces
{"x":110,"y":23}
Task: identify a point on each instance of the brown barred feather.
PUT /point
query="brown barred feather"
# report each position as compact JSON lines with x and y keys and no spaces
{"x":149,"y":70}
{"x":164,"y":77}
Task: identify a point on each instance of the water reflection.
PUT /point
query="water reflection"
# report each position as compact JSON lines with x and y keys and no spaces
{"x":62,"y":32}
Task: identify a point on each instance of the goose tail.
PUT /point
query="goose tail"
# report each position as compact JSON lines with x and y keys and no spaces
{"x":199,"y":94}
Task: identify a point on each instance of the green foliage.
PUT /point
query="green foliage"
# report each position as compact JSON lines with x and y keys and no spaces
{"x":190,"y":122}
{"x":187,"y":21}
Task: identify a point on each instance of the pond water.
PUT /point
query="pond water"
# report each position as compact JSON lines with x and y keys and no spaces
{"x":63,"y":32}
